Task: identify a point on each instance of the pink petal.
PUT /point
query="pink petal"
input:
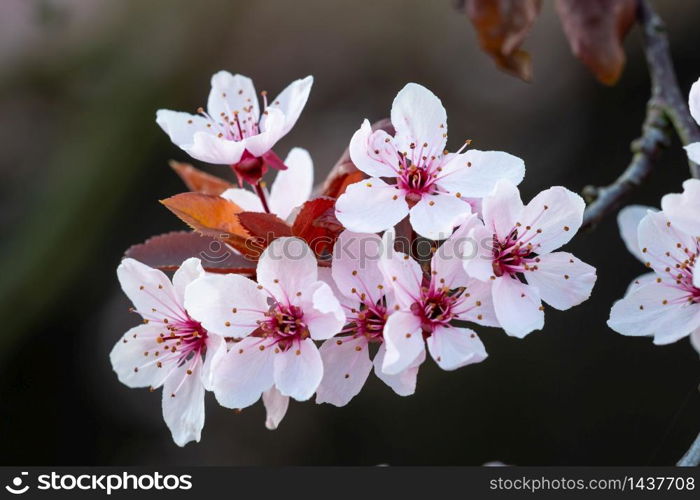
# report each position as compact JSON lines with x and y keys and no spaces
{"x":683,"y":210}
{"x":181,"y":127}
{"x":693,"y":151}
{"x":292,"y":187}
{"x":247,"y":200}
{"x":447,"y":264}
{"x":346,"y":366}
{"x":694,"y":101}
{"x":477,"y":306}
{"x":298,"y":370}
{"x":476,"y":173}
{"x":628,"y":221}
{"x":402,"y":273}
{"x":287,"y":267}
{"x":419,"y":117}
{"x":562,"y":280}
{"x":502,"y":208}
{"x":640,"y":281}
{"x":227,"y":305}
{"x":323,"y":314}
{"x":207,"y":146}
{"x":403,"y":383}
{"x":452,"y":347}
{"x":149,"y":290}
{"x":232,"y":94}
{"x":129,"y":362}
{"x":518,"y":306}
{"x":554,"y":216}
{"x":183,"y":405}
{"x":244,"y":373}
{"x":477,"y":256}
{"x":189,"y":271}
{"x":371,"y":152}
{"x":658,"y":309}
{"x":435,"y":216}
{"x":356,"y":265}
{"x":272,"y":129}
{"x":291,"y":101}
{"x":276,"y":407}
{"x":663,"y":244}
{"x":370,"y":206}
{"x":404,"y":342}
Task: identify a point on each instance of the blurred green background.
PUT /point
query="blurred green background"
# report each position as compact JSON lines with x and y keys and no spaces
{"x":83,"y":165}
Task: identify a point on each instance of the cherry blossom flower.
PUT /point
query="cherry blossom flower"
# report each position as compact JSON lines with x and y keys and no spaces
{"x":520,"y":265}
{"x":171,"y":348}
{"x":274,"y":323}
{"x":693,"y":150}
{"x":290,"y":189}
{"x":665,"y":303}
{"x":428,"y":183}
{"x":427,"y":306}
{"x":368,"y":302}
{"x":233,"y":129}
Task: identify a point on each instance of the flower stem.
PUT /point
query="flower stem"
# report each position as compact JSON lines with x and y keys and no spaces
{"x":261,"y":194}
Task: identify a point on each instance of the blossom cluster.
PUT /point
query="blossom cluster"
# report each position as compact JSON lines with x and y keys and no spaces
{"x":304,"y":318}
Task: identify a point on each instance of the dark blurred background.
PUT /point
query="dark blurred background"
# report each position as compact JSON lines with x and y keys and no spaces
{"x":84,"y":164}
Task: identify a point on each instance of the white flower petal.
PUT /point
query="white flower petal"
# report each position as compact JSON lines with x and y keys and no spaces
{"x":683,"y":210}
{"x":502,"y":208}
{"x":435,"y":217}
{"x":371,"y":206}
{"x":346,"y":366}
{"x":452,"y":347}
{"x":291,"y":101}
{"x":276,"y":407}
{"x":419,"y":117}
{"x":183,"y":405}
{"x":217,"y":150}
{"x":189,"y":271}
{"x":640,"y":281}
{"x":323,"y":314}
{"x":287,"y":267}
{"x":130,"y":361}
{"x":247,"y":200}
{"x":226,"y":304}
{"x":693,"y":151}
{"x":149,"y":290}
{"x":477,"y":257}
{"x":658,"y":309}
{"x":232,"y":94}
{"x":554,"y":216}
{"x":477,"y":306}
{"x":402,"y":273}
{"x":298,"y":370}
{"x":448,"y":261}
{"x":356,"y":265}
{"x":663,"y":244}
{"x":272,"y":129}
{"x":403,"y":383}
{"x":563,"y":280}
{"x":518,"y":306}
{"x":695,"y":340}
{"x":292,"y":187}
{"x":628,"y":221}
{"x":181,"y":126}
{"x":244,"y":373}
{"x":476,"y":173}
{"x":369,"y":151}
{"x":404,"y":342}
{"x":694,"y":101}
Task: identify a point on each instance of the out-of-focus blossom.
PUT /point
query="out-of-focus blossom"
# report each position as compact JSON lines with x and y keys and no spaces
{"x":520,"y":266}
{"x":171,"y":349}
{"x":693,"y":149}
{"x":429,"y":183}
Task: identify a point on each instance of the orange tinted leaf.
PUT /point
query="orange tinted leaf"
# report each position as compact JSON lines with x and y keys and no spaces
{"x":263,"y":228}
{"x":317,"y":225}
{"x":501,"y":27}
{"x":596,"y":30}
{"x":168,"y":251}
{"x":209,"y":215}
{"x":198,"y":180}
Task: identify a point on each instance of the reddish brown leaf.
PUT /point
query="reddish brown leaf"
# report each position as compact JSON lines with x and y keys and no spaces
{"x":198,"y":180}
{"x":211,"y":216}
{"x":317,"y":225}
{"x":344,"y":172}
{"x":501,"y":27}
{"x":167,"y":251}
{"x":596,"y":30}
{"x":263,"y":228}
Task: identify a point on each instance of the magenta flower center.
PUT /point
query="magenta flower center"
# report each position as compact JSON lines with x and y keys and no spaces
{"x":285,"y":325}
{"x":368,"y":321}
{"x":437,"y":306}
{"x":185,"y":340}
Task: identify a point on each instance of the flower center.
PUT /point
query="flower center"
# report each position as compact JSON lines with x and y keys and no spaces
{"x":436,"y":307}
{"x":368,"y":321}
{"x":185,"y":340}
{"x":285,"y":324}
{"x":514,"y":254}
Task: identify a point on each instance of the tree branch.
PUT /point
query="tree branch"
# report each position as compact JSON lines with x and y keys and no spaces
{"x":692,"y":456}
{"x":666,"y":111}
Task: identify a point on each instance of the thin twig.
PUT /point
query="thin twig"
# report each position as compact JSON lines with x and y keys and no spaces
{"x":692,"y":456}
{"x":666,"y":111}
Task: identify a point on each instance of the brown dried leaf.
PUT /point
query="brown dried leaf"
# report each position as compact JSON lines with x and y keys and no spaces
{"x":501,"y":27}
{"x":596,"y":30}
{"x":198,"y":180}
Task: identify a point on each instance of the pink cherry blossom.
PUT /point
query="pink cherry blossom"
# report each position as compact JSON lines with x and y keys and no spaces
{"x":665,"y":303}
{"x":290,"y":189}
{"x":519,"y":265}
{"x":273,"y":323}
{"x":171,"y":349}
{"x":683,"y":210}
{"x":233,"y":128}
{"x":368,"y":303}
{"x":693,"y":150}
{"x":427,"y":307}
{"x":428,"y":183}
